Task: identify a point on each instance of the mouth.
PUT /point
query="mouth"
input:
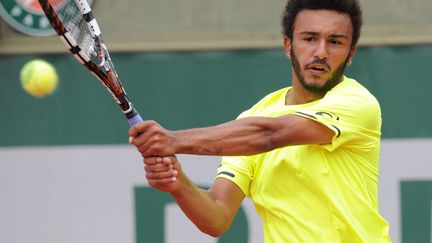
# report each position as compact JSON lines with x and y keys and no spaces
{"x":318,"y":68}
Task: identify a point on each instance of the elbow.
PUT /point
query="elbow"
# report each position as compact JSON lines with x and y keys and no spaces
{"x":214,"y":231}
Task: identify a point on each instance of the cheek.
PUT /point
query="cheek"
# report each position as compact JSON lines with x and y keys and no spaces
{"x":338,"y":59}
{"x":301,"y":56}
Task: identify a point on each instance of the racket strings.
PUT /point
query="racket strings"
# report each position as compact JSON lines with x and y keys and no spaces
{"x":69,"y":14}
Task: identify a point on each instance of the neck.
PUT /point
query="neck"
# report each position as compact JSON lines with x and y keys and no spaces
{"x":298,"y":95}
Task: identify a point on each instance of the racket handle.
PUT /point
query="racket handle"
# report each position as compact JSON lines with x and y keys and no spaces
{"x":135,"y":119}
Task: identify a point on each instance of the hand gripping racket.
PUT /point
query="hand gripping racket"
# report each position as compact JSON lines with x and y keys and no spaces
{"x":77,"y":28}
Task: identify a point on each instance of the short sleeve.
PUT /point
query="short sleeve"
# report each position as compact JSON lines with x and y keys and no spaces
{"x":239,"y":170}
{"x":355,"y":118}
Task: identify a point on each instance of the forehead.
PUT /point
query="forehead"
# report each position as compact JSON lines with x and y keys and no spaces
{"x":324,"y":22}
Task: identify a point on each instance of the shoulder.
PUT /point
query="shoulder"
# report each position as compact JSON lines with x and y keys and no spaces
{"x":267,"y":102}
{"x":354,"y":104}
{"x":351,"y":94}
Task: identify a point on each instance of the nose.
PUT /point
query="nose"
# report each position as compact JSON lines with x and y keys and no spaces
{"x":321,"y":51}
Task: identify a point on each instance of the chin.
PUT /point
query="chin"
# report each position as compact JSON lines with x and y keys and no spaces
{"x":317,"y":86}
{"x":316,"y":82}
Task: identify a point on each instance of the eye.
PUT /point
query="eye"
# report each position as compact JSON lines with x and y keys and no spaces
{"x":309,"y":39}
{"x":336,"y":42}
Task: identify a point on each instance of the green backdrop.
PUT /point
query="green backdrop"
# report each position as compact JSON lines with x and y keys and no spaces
{"x":416,"y":205}
{"x":189,"y":89}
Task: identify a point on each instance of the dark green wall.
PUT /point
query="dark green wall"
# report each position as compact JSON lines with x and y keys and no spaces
{"x":188,"y":89}
{"x":416,"y":202}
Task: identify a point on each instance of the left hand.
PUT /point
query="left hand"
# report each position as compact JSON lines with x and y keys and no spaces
{"x":163,"y":173}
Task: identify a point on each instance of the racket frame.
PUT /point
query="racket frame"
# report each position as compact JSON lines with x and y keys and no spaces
{"x":104,"y":70}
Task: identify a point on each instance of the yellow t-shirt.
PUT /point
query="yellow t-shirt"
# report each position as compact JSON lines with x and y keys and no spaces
{"x":318,"y":193}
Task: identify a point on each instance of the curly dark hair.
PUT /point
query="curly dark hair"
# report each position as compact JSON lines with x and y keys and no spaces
{"x":350,"y":7}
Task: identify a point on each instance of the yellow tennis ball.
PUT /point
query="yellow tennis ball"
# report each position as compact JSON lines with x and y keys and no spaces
{"x":39,"y":78}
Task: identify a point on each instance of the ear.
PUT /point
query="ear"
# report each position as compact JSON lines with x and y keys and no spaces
{"x":351,"y":55}
{"x":287,"y":46}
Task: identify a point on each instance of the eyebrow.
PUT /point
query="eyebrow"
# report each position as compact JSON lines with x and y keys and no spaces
{"x":313,"y":33}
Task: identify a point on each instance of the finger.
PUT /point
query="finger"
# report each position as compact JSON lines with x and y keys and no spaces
{"x":152,"y":160}
{"x":151,"y":147}
{"x":161,"y":175}
{"x":156,"y":182}
{"x":134,"y":130}
{"x":167,"y":161}
{"x":140,"y":128}
{"x":148,"y":143}
{"x":175,"y":164}
{"x":154,"y":141}
{"x":157,"y":168}
{"x":146,"y":148}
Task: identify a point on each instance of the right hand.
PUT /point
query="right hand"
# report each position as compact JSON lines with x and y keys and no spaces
{"x":152,"y":139}
{"x":163,"y":173}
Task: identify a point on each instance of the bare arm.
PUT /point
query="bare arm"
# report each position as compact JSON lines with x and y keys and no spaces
{"x":245,"y":136}
{"x":211,"y":211}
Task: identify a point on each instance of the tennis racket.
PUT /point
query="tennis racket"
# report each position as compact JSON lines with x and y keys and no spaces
{"x":77,"y":28}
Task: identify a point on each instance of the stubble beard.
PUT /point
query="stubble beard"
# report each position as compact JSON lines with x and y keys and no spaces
{"x":335,"y":78}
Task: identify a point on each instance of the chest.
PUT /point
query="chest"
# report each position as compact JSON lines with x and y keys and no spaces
{"x":290,"y":170}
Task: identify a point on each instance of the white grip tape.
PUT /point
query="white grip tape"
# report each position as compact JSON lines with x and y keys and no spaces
{"x":83,"y":6}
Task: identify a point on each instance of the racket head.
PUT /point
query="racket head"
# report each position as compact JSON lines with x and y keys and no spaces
{"x":77,"y":28}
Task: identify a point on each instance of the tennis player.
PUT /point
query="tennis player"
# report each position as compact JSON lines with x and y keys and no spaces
{"x":307,"y":155}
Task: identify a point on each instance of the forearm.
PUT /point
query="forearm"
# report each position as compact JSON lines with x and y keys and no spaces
{"x":202,"y":209}
{"x":245,"y":136}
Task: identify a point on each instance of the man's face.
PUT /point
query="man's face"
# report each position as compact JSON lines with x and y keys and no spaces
{"x":320,"y":49}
